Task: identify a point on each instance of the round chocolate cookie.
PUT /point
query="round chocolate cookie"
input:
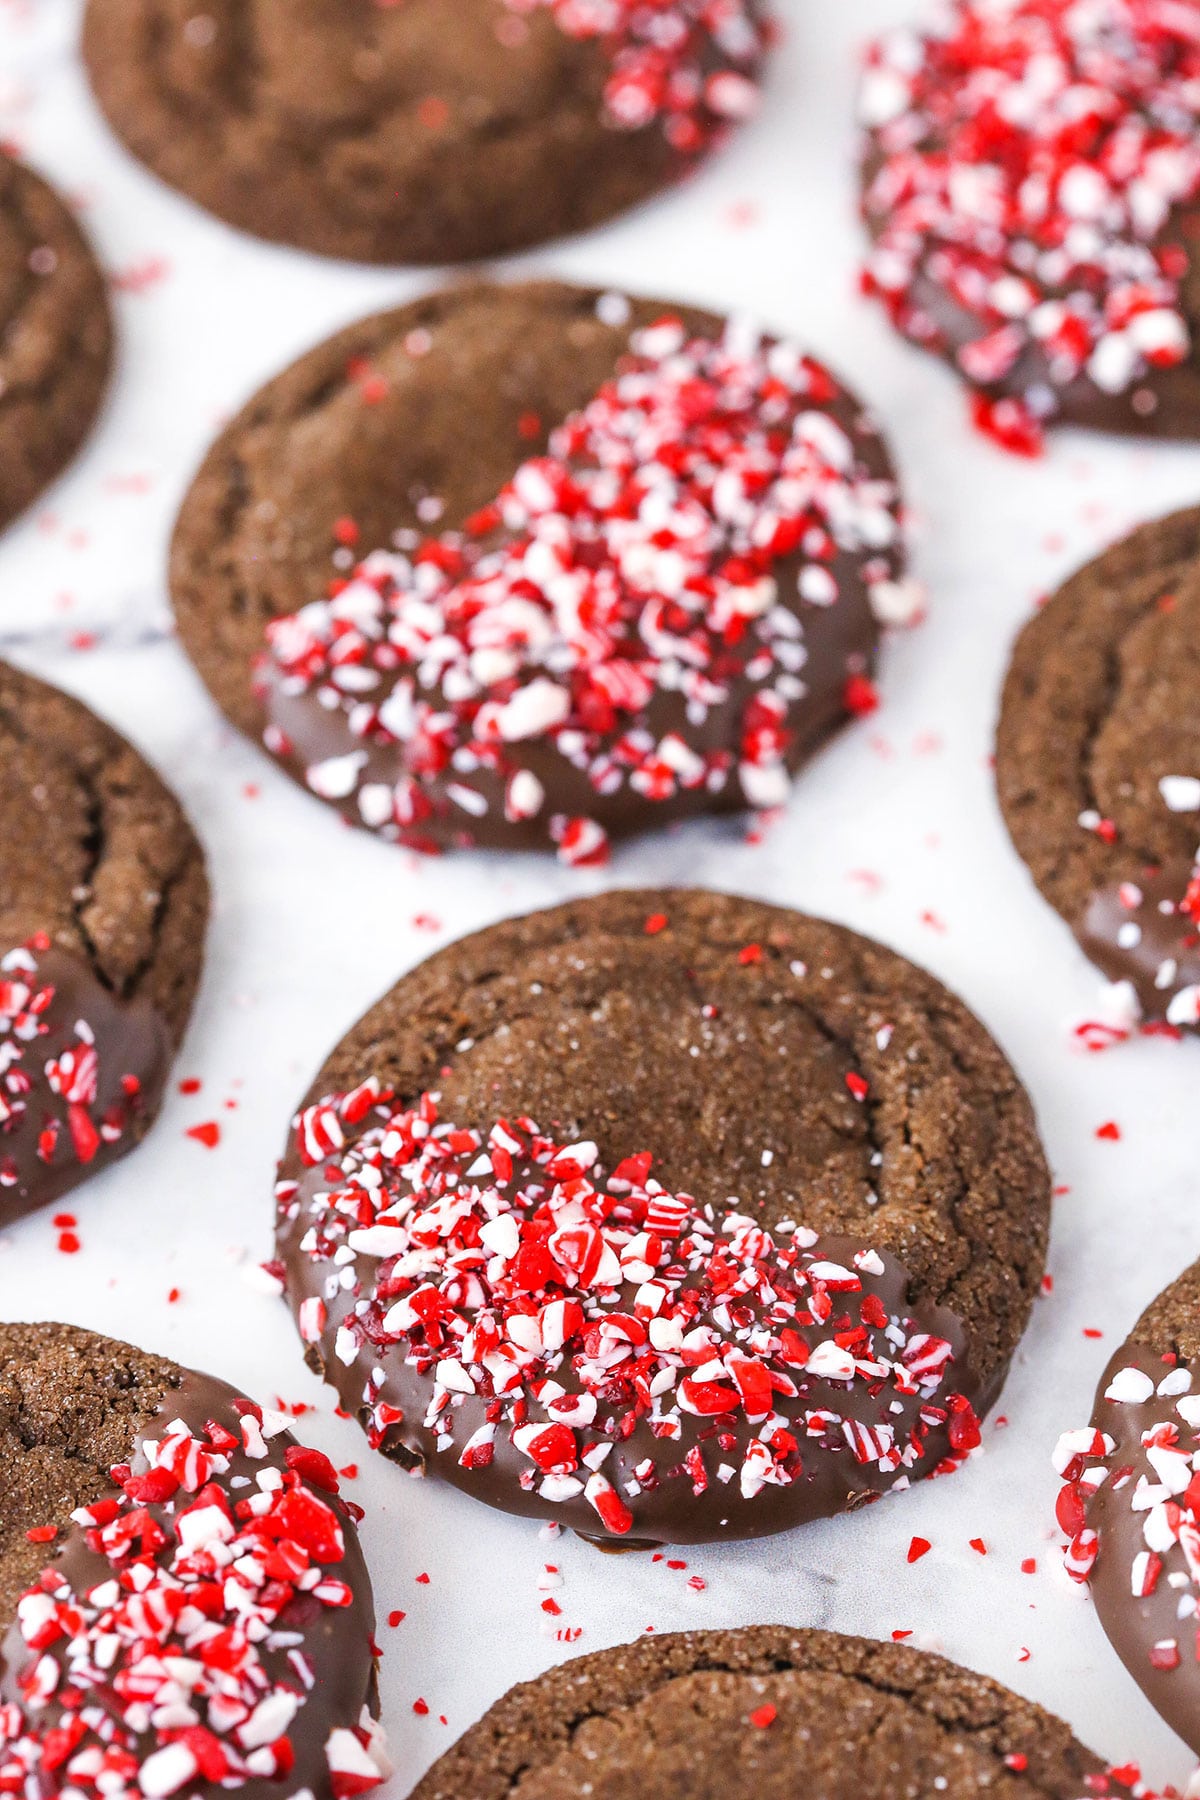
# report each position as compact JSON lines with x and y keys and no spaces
{"x":766,"y":1714}
{"x":184,"y":1606}
{"x":664,"y":547}
{"x":1131,"y":1504}
{"x":1098,"y":764}
{"x":667,"y":1215}
{"x":1031,"y":185}
{"x":433,"y":131}
{"x":103,"y":904}
{"x":55,"y":336}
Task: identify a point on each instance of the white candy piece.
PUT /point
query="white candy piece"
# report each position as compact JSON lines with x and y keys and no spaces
{"x":1181,"y":793}
{"x":1129,"y":1387}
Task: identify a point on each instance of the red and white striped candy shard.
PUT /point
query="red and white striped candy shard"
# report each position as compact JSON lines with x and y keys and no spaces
{"x":1025,"y":166}
{"x":1161,"y":1487}
{"x":509,"y":1270}
{"x":185,"y":1668}
{"x":27,"y":1079}
{"x":661,"y":55}
{"x":638,"y":560}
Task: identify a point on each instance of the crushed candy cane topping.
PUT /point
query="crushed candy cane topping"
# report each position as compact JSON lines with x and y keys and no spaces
{"x":1026,"y":160}
{"x":182,"y":1665}
{"x":620,"y":592}
{"x":1159,"y":1480}
{"x":542,"y":1305}
{"x":52,"y":1095}
{"x":661,"y":54}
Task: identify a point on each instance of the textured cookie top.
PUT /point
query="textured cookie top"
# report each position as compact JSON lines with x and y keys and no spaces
{"x":103,"y":903}
{"x":738,"y":1712}
{"x":428,"y":132}
{"x":658,"y":611}
{"x":187,"y":1610}
{"x":1098,"y":760}
{"x":1130,"y":1503}
{"x":55,"y":336}
{"x":1028,"y":174}
{"x":757,"y":1141}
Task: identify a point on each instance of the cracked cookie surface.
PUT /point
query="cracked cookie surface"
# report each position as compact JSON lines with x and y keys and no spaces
{"x":738,"y":1713}
{"x":773,"y":1067}
{"x":55,"y":337}
{"x":103,"y":905}
{"x":435,"y":131}
{"x":1098,"y":761}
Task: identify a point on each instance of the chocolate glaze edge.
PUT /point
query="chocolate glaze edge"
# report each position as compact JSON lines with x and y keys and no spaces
{"x":131,"y":1038}
{"x":670,"y":1512}
{"x":1134,"y":1625}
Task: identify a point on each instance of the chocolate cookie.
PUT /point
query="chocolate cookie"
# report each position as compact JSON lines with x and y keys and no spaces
{"x":55,"y":336}
{"x":1098,"y":763}
{"x":664,"y":547}
{"x":1031,"y":183}
{"x":184,"y":1607}
{"x":667,"y":1215}
{"x":1131,"y":1504}
{"x":434,"y":131}
{"x":766,"y":1714}
{"x":103,"y":904}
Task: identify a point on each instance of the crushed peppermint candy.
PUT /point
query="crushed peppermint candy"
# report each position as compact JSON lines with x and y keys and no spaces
{"x":503,"y":1296}
{"x":1025,"y":167}
{"x":167,"y":1646}
{"x":661,"y":55}
{"x":624,"y":625}
{"x":1130,"y":1504}
{"x":50,"y":1074}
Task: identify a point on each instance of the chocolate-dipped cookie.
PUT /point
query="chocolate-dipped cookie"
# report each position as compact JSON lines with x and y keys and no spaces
{"x":667,"y":1215}
{"x":429,"y":132}
{"x":1031,"y":184}
{"x":103,"y":905}
{"x":626,"y":564}
{"x":184,"y":1606}
{"x":1098,"y":764}
{"x":55,"y":336}
{"x":1130,"y":1504}
{"x":765,"y":1714}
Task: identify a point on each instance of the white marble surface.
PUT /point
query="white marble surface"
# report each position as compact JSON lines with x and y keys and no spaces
{"x":895,"y":830}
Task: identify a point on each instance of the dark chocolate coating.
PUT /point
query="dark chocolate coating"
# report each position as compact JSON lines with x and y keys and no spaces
{"x":98,"y":858}
{"x":1101,"y":701}
{"x":431,"y":132}
{"x":69,"y":1401}
{"x":257,"y":530}
{"x":1168,"y":936}
{"x":581,"y":1020}
{"x":55,"y":336}
{"x":764,"y":1714}
{"x":1161,"y":402}
{"x":131,"y":1040}
{"x":1170,"y":1327}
